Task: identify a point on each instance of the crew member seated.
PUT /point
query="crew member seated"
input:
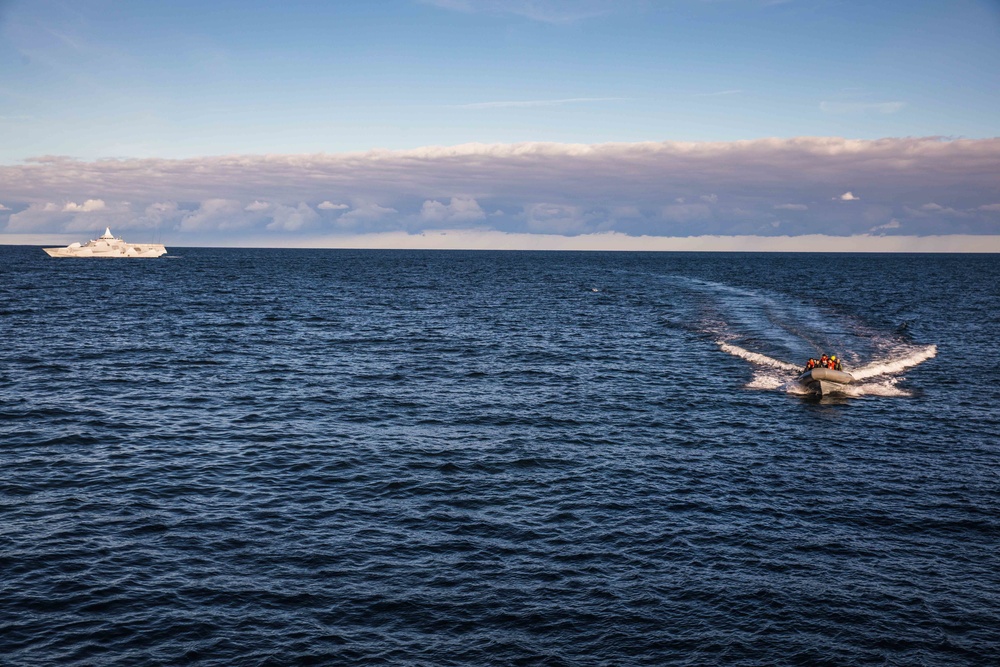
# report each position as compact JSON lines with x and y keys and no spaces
{"x":831,"y":362}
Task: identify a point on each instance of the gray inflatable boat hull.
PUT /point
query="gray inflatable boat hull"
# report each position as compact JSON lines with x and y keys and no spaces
{"x":825,"y":381}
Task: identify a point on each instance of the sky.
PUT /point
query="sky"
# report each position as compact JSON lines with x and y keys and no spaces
{"x":674,"y":124}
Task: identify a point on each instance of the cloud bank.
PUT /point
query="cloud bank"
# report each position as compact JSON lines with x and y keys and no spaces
{"x":771,"y":188}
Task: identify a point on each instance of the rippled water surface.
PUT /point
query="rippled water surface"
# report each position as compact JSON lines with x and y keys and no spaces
{"x":249,"y":457}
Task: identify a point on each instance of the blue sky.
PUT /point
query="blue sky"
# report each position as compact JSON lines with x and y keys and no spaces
{"x":183,"y":81}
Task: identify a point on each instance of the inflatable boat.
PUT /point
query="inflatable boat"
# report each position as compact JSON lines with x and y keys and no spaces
{"x":825,"y":381}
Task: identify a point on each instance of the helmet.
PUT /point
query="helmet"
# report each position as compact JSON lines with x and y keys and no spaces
{"x":833,"y":356}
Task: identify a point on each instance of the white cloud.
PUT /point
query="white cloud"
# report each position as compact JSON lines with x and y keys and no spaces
{"x":848,"y":196}
{"x":791,"y":207}
{"x":227,"y":215}
{"x":161,"y":214}
{"x":86,"y":207}
{"x":216,"y":215}
{"x":892,"y":224}
{"x":292,"y":219}
{"x":3,"y":208}
{"x":460,"y":209}
{"x":330,"y":206}
{"x":365,"y":213}
{"x":45,"y":217}
{"x":92,"y":215}
{"x":97,"y":216}
{"x":990,"y":207}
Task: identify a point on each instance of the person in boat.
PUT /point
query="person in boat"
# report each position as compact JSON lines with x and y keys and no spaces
{"x":811,"y":364}
{"x":824,"y":361}
{"x":835,"y":363}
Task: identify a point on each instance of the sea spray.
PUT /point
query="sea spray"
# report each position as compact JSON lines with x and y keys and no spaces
{"x":885,"y":387}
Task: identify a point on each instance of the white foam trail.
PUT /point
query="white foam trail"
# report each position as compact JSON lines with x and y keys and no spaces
{"x":755,"y":357}
{"x":895,"y":365}
{"x":766,"y":382}
{"x":769,"y":381}
{"x":885,"y":388}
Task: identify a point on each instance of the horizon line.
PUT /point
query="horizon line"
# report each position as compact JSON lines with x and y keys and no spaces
{"x":465,"y":240}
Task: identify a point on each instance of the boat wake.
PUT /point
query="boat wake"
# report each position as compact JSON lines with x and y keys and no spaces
{"x":775,"y":333}
{"x":775,"y":375}
{"x":891,"y":366}
{"x":757,"y":358}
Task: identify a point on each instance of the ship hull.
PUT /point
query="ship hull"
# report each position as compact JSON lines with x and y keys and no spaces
{"x":133,"y":250}
{"x":108,"y":246}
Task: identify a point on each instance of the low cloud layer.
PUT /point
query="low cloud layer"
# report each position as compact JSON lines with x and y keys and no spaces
{"x":767,"y":188}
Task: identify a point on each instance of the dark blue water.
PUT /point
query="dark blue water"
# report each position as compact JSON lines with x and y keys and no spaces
{"x":274,"y":457}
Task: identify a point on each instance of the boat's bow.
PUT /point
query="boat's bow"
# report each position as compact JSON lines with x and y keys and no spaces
{"x":825,"y":380}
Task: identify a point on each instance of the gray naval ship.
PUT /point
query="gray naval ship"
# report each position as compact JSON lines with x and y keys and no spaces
{"x":108,"y":246}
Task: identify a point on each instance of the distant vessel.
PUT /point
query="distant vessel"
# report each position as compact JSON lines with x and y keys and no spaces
{"x":825,"y":381}
{"x":108,"y":246}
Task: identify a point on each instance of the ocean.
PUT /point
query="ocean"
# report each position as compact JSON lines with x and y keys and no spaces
{"x":292,"y":457}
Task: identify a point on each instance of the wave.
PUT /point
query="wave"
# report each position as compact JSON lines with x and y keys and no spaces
{"x":890,"y":366}
{"x":756,"y":357}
